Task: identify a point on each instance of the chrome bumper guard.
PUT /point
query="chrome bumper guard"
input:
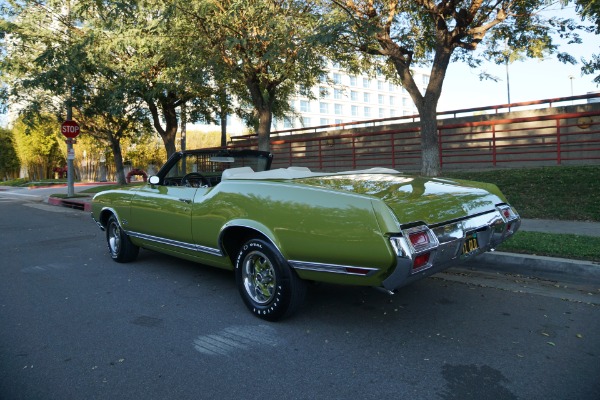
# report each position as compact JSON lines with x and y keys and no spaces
{"x":446,"y":243}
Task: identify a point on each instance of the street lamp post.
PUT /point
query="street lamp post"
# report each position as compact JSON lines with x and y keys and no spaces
{"x":571,"y":77}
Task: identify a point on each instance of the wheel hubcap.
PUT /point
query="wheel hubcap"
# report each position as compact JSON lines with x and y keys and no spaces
{"x":114,"y":238}
{"x":259,"y":278}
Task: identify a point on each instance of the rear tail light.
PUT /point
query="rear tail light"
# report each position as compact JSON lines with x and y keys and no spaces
{"x":423,"y":243}
{"x":509,"y":217}
{"x":419,"y":239}
{"x":421,"y":260}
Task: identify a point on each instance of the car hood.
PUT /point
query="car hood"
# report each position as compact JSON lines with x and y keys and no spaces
{"x":417,"y":199}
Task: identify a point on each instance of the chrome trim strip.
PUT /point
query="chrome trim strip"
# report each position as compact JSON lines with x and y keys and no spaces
{"x":98,"y":223}
{"x":330,"y":268}
{"x":176,"y":243}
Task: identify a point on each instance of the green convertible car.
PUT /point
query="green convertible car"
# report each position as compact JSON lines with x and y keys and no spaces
{"x":278,"y":229}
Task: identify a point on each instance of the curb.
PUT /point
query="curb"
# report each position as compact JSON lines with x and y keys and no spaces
{"x":561,"y":269}
{"x":80,"y":204}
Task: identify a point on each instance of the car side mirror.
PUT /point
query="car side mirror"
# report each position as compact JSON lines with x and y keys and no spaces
{"x":154,"y":180}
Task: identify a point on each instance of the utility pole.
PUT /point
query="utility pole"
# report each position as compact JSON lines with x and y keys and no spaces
{"x":70,"y":150}
{"x":183,"y":125}
{"x":507,"y":82}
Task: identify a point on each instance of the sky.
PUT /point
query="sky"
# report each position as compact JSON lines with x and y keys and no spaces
{"x":530,"y":79}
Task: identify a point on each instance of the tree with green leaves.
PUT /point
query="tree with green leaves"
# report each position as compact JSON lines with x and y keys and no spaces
{"x":155,"y":60}
{"x":426,"y":32}
{"x":43,"y":57}
{"x":9,"y":161}
{"x":37,"y":146}
{"x":68,"y":61}
{"x":263,"y":49}
{"x":590,"y":10}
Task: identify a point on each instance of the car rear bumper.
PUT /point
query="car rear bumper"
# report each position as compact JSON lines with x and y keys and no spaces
{"x":450,"y":244}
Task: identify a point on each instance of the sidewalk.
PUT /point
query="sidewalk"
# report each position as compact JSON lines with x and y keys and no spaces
{"x":568,"y":227}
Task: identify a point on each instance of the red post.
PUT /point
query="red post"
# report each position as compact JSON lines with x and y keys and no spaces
{"x":558,"y":149}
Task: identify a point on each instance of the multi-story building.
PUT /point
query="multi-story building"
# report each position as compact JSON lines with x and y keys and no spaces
{"x":341,"y":97}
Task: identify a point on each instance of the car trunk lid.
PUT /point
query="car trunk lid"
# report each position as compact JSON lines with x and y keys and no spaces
{"x":417,"y":199}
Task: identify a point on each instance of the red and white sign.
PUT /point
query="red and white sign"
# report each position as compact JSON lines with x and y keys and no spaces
{"x":70,"y":129}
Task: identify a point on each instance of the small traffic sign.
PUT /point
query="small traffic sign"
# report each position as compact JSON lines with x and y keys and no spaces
{"x":70,"y":129}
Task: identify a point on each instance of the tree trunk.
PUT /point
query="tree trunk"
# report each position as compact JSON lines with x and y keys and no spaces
{"x":426,"y":103}
{"x":430,"y":151}
{"x":223,"y":117}
{"x":265,"y":117}
{"x":116,"y":150}
{"x":168,"y":134}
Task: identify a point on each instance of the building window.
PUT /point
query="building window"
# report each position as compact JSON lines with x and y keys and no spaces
{"x":337,"y":78}
{"x":337,"y":94}
{"x":354,"y":111}
{"x":366,"y":83}
{"x":324,"y":121}
{"x":367,"y":97}
{"x":381,"y":113}
{"x":338,"y":121}
{"x":391,"y":87}
{"x":338,"y":108}
{"x":367,"y":111}
{"x":323,"y":78}
{"x":305,"y":121}
{"x":404,"y":102}
{"x":288,"y":122}
{"x":324,"y":108}
{"x":352,"y":80}
{"x":323,"y":92}
{"x":392,"y":100}
{"x":380,"y":99}
{"x":304,"y":106}
{"x":379,"y":85}
{"x":354,"y":95}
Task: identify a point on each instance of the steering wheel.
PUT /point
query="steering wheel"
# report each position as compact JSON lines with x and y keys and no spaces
{"x":193,"y":178}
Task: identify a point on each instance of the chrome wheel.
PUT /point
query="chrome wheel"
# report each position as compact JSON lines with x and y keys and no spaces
{"x":269,"y":287}
{"x":114,"y":237}
{"x":119,"y":245}
{"x":259,"y":277}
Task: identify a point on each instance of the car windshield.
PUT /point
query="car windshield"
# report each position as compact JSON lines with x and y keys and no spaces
{"x":216,"y":162}
{"x":210,"y":164}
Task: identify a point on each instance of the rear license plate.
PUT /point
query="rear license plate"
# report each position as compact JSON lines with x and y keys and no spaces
{"x":471,"y":244}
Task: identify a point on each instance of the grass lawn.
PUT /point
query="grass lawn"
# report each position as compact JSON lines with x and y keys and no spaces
{"x":559,"y":193}
{"x":567,"y":193}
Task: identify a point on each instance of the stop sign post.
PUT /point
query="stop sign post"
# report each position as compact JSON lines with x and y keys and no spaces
{"x":70,"y":129}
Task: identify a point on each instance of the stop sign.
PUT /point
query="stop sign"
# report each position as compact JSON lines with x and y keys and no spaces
{"x":70,"y":129}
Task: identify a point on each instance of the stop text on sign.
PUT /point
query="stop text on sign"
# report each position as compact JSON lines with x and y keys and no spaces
{"x":70,"y":129}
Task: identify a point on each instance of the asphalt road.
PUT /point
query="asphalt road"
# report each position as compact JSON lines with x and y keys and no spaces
{"x":76,"y":325}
